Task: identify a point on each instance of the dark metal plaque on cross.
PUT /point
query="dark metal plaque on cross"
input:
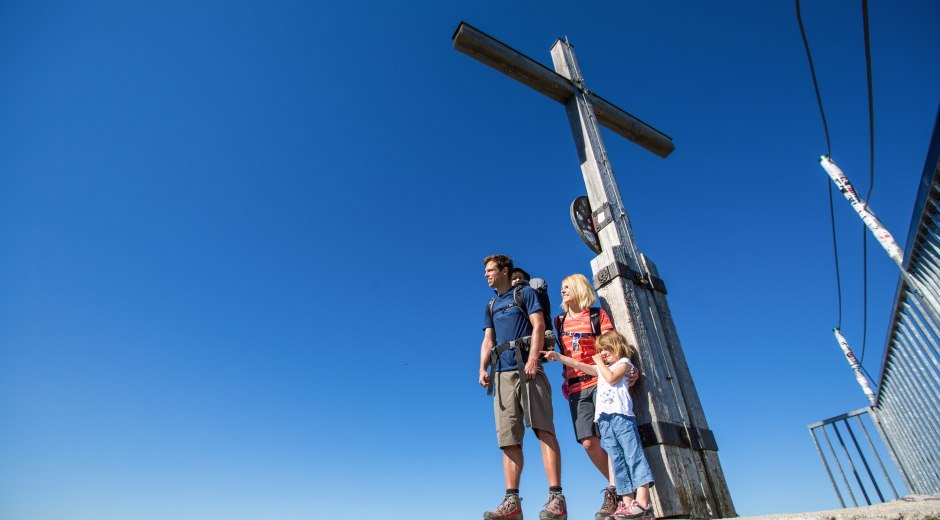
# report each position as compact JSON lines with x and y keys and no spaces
{"x":583,"y":222}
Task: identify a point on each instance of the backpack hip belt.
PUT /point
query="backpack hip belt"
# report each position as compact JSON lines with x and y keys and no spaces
{"x":521,"y":348}
{"x":580,"y":379}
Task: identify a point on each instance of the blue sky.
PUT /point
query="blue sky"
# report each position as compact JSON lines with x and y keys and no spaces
{"x":241,"y":242}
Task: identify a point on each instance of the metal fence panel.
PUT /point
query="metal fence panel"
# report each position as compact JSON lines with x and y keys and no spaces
{"x":906,"y":409}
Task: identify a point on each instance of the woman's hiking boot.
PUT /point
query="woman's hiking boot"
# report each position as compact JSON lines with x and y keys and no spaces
{"x":509,"y":509}
{"x":609,"y":506}
{"x":555,"y":508}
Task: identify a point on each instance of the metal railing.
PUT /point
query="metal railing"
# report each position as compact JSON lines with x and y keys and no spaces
{"x":906,"y":404}
{"x":845,"y":459}
{"x":907,"y":400}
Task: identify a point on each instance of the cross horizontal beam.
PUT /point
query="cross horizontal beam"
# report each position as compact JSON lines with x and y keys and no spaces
{"x":490,"y":51}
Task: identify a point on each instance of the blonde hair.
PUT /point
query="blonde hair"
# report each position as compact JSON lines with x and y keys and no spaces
{"x":581,"y":290}
{"x":616,"y":343}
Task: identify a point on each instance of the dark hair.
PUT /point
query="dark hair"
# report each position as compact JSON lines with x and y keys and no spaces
{"x":525,"y":275}
{"x":502,"y":261}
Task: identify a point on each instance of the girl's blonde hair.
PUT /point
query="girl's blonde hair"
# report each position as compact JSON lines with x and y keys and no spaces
{"x":581,"y":290}
{"x":616,"y":343}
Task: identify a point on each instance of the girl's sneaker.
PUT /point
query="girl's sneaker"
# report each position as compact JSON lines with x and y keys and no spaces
{"x":635,"y":510}
{"x":620,"y":512}
{"x":509,"y":509}
{"x":625,"y":512}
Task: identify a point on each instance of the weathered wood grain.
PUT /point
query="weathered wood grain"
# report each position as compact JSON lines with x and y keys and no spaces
{"x":482,"y":47}
{"x":631,"y":127}
{"x":665,"y":393}
{"x":490,"y":51}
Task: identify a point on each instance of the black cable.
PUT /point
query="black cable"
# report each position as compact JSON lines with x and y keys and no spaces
{"x":871,"y":174}
{"x":822,"y":113}
{"x":835,"y":250}
{"x":871,"y":106}
{"x":812,"y":71}
{"x":872,"y":379}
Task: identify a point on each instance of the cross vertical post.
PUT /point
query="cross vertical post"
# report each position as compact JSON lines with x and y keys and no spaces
{"x":678,"y":444}
{"x":598,"y":174}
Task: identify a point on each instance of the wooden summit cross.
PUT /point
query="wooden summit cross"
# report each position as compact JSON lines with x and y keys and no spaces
{"x":678,"y":444}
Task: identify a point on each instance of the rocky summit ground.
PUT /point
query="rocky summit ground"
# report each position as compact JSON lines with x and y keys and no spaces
{"x":911,"y":507}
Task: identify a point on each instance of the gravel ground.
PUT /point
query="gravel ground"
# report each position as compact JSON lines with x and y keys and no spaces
{"x":911,"y":507}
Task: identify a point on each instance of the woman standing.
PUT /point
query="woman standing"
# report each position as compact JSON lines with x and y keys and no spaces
{"x":577,"y":329}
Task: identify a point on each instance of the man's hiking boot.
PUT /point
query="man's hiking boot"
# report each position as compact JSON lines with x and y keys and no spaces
{"x":509,"y":509}
{"x":555,"y":508}
{"x":609,"y":506}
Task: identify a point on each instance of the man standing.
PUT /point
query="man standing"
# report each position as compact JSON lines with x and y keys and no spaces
{"x":514,"y":334}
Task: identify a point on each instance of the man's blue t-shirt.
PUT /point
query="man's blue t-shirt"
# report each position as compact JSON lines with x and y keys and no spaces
{"x":509,"y":322}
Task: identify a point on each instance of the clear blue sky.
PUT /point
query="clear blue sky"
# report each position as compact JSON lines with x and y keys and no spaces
{"x":241,"y":242}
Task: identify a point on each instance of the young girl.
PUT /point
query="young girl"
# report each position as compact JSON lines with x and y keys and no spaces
{"x":613,"y":413}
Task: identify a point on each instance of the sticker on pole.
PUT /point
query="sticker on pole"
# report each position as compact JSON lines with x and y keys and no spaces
{"x":584,"y":224}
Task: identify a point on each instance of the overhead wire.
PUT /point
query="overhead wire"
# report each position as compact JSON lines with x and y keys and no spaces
{"x":822,"y":114}
{"x":871,"y":177}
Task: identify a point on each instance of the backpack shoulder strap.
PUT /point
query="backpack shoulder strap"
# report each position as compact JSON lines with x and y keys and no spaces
{"x":517,"y":296}
{"x":560,"y":323}
{"x":596,"y":321}
{"x":517,"y":302}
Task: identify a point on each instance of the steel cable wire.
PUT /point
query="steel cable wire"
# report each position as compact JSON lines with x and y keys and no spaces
{"x":871,"y":179}
{"x":822,"y":114}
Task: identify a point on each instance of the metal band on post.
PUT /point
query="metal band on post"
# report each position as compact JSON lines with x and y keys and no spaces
{"x":658,"y":432}
{"x":615,"y":269}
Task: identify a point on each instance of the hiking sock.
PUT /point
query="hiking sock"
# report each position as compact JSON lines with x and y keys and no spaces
{"x":512,"y":492}
{"x":554,"y":489}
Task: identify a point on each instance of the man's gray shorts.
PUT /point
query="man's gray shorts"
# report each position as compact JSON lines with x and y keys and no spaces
{"x":581,"y":405}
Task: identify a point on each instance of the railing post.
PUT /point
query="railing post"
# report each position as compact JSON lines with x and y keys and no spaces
{"x":901,"y":442}
{"x":892,"y":452}
{"x":871,"y":445}
{"x":839,"y":465}
{"x":861,"y":455}
{"x":851,"y":463}
{"x":812,"y":433}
